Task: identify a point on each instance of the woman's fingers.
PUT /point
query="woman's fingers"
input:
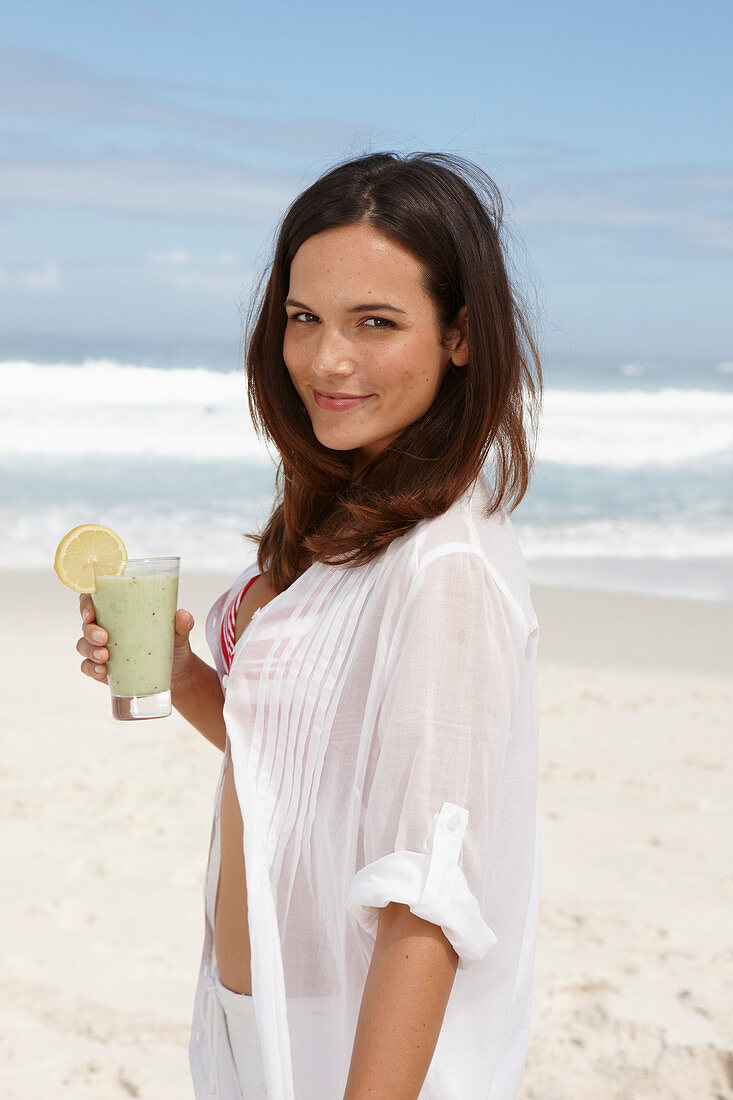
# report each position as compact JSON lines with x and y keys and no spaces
{"x":95,"y":671}
{"x":92,"y":644}
{"x":93,"y":637}
{"x":92,"y":631}
{"x":94,"y":652}
{"x":184,"y":624}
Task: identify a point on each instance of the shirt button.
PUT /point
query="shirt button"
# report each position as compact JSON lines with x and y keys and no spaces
{"x":224,"y":681}
{"x":453,"y":824}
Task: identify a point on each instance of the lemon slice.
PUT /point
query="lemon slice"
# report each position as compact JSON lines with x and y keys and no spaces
{"x":86,"y":551}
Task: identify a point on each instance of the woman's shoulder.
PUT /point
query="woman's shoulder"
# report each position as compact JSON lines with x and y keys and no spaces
{"x":468,"y":526}
{"x":469,"y":538}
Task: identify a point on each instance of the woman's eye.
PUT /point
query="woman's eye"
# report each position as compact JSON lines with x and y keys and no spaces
{"x":302,"y":317}
{"x":379,"y":322}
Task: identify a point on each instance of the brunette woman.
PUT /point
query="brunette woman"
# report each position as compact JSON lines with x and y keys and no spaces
{"x":373,"y":879}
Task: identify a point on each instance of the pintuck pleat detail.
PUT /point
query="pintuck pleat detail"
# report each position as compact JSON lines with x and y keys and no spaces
{"x":327,"y":677}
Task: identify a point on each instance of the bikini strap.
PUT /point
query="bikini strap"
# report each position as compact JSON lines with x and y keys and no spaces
{"x":228,"y":626}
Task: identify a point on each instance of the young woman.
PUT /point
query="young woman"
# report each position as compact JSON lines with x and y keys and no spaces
{"x":372,"y":888}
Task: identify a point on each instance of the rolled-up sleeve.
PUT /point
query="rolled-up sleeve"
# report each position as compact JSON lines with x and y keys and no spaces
{"x":433,"y":886}
{"x":434,"y":799}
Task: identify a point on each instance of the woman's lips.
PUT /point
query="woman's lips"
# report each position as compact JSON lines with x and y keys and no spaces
{"x":338,"y":402}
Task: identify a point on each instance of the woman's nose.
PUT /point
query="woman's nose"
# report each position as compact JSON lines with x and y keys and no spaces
{"x":334,"y":353}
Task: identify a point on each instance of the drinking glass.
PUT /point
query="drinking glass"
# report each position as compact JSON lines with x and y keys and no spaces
{"x":138,"y":609}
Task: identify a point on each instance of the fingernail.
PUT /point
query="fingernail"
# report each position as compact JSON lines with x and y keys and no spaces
{"x":84,"y":615}
{"x":98,"y":668}
{"x":98,"y":636}
{"x":97,"y":654}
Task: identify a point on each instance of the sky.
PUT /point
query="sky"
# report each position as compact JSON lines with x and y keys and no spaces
{"x":149,"y":150}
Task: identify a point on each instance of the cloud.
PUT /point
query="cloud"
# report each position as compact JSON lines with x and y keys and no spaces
{"x":149,"y":184}
{"x":35,"y":280}
{"x":177,"y":257}
{"x":522,"y":152}
{"x":218,"y":275}
{"x":220,"y":283}
{"x":75,"y":137}
{"x":38,"y":86}
{"x":83,"y":138}
{"x":181,"y":257}
{"x":692,"y":205}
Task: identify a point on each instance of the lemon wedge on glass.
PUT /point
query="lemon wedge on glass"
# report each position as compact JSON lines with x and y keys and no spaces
{"x":86,"y":551}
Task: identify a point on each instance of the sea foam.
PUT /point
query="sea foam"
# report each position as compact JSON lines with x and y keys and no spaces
{"x":169,"y":457}
{"x":102,"y":407}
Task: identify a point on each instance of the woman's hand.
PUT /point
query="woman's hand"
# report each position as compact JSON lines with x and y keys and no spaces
{"x":92,"y":645}
{"x":195,"y":689}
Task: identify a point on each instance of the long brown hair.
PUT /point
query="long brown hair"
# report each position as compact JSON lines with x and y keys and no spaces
{"x":448,"y":214}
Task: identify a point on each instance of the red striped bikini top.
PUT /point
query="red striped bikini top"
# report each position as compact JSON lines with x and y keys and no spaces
{"x":228,"y":626}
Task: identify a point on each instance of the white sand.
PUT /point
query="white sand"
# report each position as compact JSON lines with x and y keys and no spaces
{"x":107,"y":829}
{"x":634,"y":982}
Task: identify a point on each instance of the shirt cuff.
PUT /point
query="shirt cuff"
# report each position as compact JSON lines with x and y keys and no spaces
{"x":431,"y":884}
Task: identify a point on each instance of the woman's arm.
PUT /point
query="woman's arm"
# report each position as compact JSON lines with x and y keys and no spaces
{"x":195,"y":689}
{"x":405,"y":996}
{"x":197,"y":696}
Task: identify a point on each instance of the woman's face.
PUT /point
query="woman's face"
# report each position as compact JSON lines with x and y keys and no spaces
{"x":362,"y":343}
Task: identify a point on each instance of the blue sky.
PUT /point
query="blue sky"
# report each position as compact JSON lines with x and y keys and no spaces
{"x":150,"y":149}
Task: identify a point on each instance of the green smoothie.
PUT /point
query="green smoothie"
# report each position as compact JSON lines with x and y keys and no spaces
{"x":137,"y":611}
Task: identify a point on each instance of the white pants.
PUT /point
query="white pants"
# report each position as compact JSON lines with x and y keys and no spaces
{"x":244,"y":1047}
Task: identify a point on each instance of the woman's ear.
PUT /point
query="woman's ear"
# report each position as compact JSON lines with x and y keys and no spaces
{"x":456,"y":339}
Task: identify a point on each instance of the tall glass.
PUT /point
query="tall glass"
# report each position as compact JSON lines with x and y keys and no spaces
{"x":138,"y":609}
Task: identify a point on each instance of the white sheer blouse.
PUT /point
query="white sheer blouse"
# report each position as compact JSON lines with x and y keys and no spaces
{"x":382,"y":725}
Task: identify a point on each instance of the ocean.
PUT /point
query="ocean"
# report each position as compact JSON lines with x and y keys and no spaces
{"x":631,"y":492}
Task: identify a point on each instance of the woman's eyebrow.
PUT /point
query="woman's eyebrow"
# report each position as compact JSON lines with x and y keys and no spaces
{"x":374,"y":305}
{"x":363,"y":308}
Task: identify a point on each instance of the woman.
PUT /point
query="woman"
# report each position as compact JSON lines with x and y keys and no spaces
{"x":372,"y":887}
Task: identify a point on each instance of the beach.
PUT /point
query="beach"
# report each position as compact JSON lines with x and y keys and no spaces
{"x":106,"y":833}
